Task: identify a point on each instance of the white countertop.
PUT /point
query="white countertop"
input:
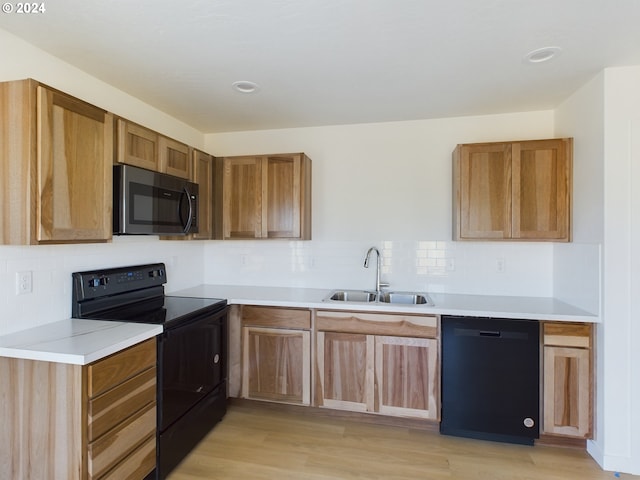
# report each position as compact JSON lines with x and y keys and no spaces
{"x":82,"y":342}
{"x":75,"y":341}
{"x":534,"y":308}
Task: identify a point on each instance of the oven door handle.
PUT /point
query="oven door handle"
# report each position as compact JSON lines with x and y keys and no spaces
{"x":187,"y":226}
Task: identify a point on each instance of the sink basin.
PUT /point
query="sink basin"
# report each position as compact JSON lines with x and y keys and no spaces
{"x":364,"y":296}
{"x":352,"y":296}
{"x":407,"y":298}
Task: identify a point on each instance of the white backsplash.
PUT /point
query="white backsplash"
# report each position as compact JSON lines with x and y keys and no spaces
{"x":432,"y":266}
{"x":529,"y":269}
{"x":51,"y":268}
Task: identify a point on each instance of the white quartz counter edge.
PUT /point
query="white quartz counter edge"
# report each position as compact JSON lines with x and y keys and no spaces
{"x":534,"y":308}
{"x":75,"y":341}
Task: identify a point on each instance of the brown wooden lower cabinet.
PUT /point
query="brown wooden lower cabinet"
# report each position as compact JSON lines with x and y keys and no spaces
{"x":567,"y":380}
{"x":407,"y":377}
{"x":361,"y":368}
{"x":276,"y":349}
{"x":68,"y":422}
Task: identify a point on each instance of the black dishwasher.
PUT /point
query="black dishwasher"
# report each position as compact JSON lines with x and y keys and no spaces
{"x":490,"y":379}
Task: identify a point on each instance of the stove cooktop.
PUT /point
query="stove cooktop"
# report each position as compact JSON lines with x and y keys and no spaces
{"x":161,"y":310}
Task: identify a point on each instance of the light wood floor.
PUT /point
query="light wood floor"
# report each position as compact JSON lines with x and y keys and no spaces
{"x":255,"y":443}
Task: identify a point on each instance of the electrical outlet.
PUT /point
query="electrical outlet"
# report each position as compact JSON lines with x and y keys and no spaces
{"x":24,"y":282}
{"x":500,"y":265}
{"x":451,"y":264}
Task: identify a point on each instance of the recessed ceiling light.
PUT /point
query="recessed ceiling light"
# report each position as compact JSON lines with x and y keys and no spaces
{"x":541,"y":55}
{"x":244,"y":86}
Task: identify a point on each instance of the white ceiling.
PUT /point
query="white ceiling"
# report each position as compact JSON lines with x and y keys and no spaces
{"x":325,"y":62}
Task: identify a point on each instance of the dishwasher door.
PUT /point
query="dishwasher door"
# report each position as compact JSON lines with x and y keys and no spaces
{"x":490,"y":379}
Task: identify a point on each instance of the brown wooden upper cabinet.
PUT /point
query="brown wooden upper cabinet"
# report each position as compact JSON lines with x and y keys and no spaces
{"x":56,"y":155}
{"x":144,"y":148}
{"x":266,"y":196}
{"x":513,"y":190}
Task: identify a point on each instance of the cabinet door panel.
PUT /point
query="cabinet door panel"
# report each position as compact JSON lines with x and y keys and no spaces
{"x":540,"y":189}
{"x":242,"y":198}
{"x":203,"y":176}
{"x":277,"y":365}
{"x":174,"y":158}
{"x":407,"y":377}
{"x":283,"y":197}
{"x":137,"y":146}
{"x":74,"y":169}
{"x":567,"y":391}
{"x":345,"y":365}
{"x":485,"y":191}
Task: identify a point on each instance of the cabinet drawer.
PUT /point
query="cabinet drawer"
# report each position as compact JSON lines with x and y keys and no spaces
{"x":567,"y":334}
{"x":115,"y":369}
{"x":399,"y":325}
{"x":116,"y":405}
{"x":276,"y":317}
{"x":136,"y":465}
{"x":112,"y":448}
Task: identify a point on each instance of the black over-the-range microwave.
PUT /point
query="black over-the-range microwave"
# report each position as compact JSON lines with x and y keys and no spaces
{"x":152,"y":203}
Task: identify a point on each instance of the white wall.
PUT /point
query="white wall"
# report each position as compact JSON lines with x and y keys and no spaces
{"x":604,"y":117}
{"x":620,"y":269}
{"x":389,"y":185}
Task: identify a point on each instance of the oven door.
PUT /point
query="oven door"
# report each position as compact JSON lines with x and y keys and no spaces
{"x":192,"y":363}
{"x":146,"y":202}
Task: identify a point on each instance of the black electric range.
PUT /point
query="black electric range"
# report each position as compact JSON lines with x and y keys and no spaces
{"x":191,"y":351}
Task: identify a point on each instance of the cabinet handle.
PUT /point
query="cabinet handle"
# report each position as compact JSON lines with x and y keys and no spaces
{"x":216,"y":359}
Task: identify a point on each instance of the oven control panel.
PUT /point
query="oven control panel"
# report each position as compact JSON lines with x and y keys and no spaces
{"x":101,"y":283}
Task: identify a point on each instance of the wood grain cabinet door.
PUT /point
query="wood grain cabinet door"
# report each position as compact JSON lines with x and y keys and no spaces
{"x":175,"y":158}
{"x":567,"y":391}
{"x":242,"y":197}
{"x":407,"y":376}
{"x":482,"y":188}
{"x":74,"y":169}
{"x":282,"y":196}
{"x":541,"y":171}
{"x":277,"y":364}
{"x":345,"y":370}
{"x":203,"y":176}
{"x":137,"y":146}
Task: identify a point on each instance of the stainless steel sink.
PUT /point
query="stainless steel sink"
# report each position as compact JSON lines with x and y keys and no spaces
{"x":364,"y":296}
{"x":406,"y":298}
{"x":352,"y":296}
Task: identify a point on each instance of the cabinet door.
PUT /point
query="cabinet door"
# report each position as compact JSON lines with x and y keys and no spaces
{"x":283,"y":187}
{"x":242,"y":198}
{"x":482,"y":195}
{"x":276,"y":365}
{"x":137,"y":146}
{"x":74,"y":169}
{"x":174,"y":158}
{"x":567,"y":391}
{"x":203,"y":176}
{"x":345,"y":370}
{"x":541,"y":171}
{"x":407,"y":377}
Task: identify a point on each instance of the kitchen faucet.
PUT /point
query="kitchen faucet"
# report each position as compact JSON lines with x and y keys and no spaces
{"x":379,"y":285}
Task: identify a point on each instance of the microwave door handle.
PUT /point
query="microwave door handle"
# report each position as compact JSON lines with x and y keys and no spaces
{"x":187,"y":227}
